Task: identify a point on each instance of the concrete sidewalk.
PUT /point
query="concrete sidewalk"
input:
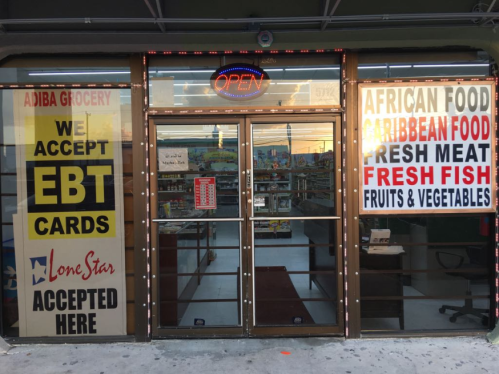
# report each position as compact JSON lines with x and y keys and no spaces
{"x":306,"y":355}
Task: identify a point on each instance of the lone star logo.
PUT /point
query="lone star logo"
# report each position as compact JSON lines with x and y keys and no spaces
{"x":39,"y":266}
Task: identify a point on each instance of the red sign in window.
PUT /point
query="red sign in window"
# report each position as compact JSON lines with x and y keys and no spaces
{"x":240,"y":82}
{"x":205,"y":193}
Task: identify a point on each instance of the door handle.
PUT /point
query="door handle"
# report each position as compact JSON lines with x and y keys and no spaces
{"x":295,"y":218}
{"x":248,"y":180}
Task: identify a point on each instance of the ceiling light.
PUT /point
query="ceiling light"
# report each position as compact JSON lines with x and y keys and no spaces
{"x":372,"y":67}
{"x":308,"y":69}
{"x":184,"y":71}
{"x":286,"y":93}
{"x":195,"y":95}
{"x":452,"y":66}
{"x":80,"y":73}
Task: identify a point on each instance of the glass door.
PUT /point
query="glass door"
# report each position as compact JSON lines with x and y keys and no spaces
{"x":196,"y":233}
{"x":245,"y":226}
{"x":295,"y":262}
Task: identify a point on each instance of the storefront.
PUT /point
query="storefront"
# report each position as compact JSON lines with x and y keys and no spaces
{"x":264,"y":192}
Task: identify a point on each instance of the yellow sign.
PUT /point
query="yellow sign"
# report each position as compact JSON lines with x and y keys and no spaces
{"x":69,"y":138}
{"x":72,"y":225}
{"x":69,"y":166}
{"x":69,"y":226}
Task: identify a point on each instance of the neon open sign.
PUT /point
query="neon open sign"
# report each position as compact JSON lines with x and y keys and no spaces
{"x":240,"y":82}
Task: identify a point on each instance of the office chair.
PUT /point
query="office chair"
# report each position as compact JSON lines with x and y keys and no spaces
{"x":478,"y":261}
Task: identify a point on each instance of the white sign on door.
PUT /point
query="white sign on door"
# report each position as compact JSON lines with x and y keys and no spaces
{"x":259,"y":201}
{"x":173,"y":159}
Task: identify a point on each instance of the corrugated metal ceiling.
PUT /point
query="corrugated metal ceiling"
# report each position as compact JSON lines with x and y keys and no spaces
{"x":158,"y":16}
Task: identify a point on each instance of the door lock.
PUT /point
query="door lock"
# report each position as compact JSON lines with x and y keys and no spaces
{"x":248,"y":180}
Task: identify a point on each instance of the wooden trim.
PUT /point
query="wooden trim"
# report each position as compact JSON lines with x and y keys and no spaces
{"x":416,"y":244}
{"x":196,"y":274}
{"x":329,"y":245}
{"x":350,"y":188}
{"x":195,"y":248}
{"x":247,"y":289}
{"x":189,"y":301}
{"x":297,"y":331}
{"x":140,"y":200}
{"x":338,"y":244}
{"x":438,"y":297}
{"x":155,"y":246}
{"x":72,"y":340}
{"x":418,"y":271}
{"x":201,"y":332}
{"x":425,"y":80}
{"x":421,"y":334}
{"x":189,"y":111}
{"x":297,"y":299}
{"x":24,"y":86}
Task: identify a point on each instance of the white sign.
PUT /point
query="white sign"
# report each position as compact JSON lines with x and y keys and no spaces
{"x":259,"y":201}
{"x":325,"y":92}
{"x":69,"y":228}
{"x":173,"y":159}
{"x":427,"y":147}
{"x":162,"y":92}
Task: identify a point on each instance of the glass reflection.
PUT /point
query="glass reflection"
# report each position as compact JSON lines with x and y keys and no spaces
{"x":429,"y":273}
{"x":210,"y":151}
{"x":295,"y":273}
{"x":293,"y":168}
{"x":317,"y":83}
{"x":199,"y":266}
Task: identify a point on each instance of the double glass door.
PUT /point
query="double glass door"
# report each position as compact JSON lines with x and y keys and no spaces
{"x":246,"y":226}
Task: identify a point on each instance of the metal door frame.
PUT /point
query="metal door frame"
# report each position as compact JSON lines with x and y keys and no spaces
{"x":157,"y":331}
{"x":295,"y":330}
{"x":246,"y":284}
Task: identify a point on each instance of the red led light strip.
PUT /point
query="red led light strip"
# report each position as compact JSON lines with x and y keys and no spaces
{"x":343,"y":185}
{"x":497,"y":213}
{"x":145,"y":83}
{"x":244,"y":52}
{"x":153,"y":112}
{"x":398,"y":80}
{"x":64,"y":85}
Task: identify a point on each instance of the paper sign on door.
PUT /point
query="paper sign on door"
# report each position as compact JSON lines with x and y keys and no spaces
{"x":173,"y":159}
{"x":259,"y":201}
{"x":205,"y":194}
